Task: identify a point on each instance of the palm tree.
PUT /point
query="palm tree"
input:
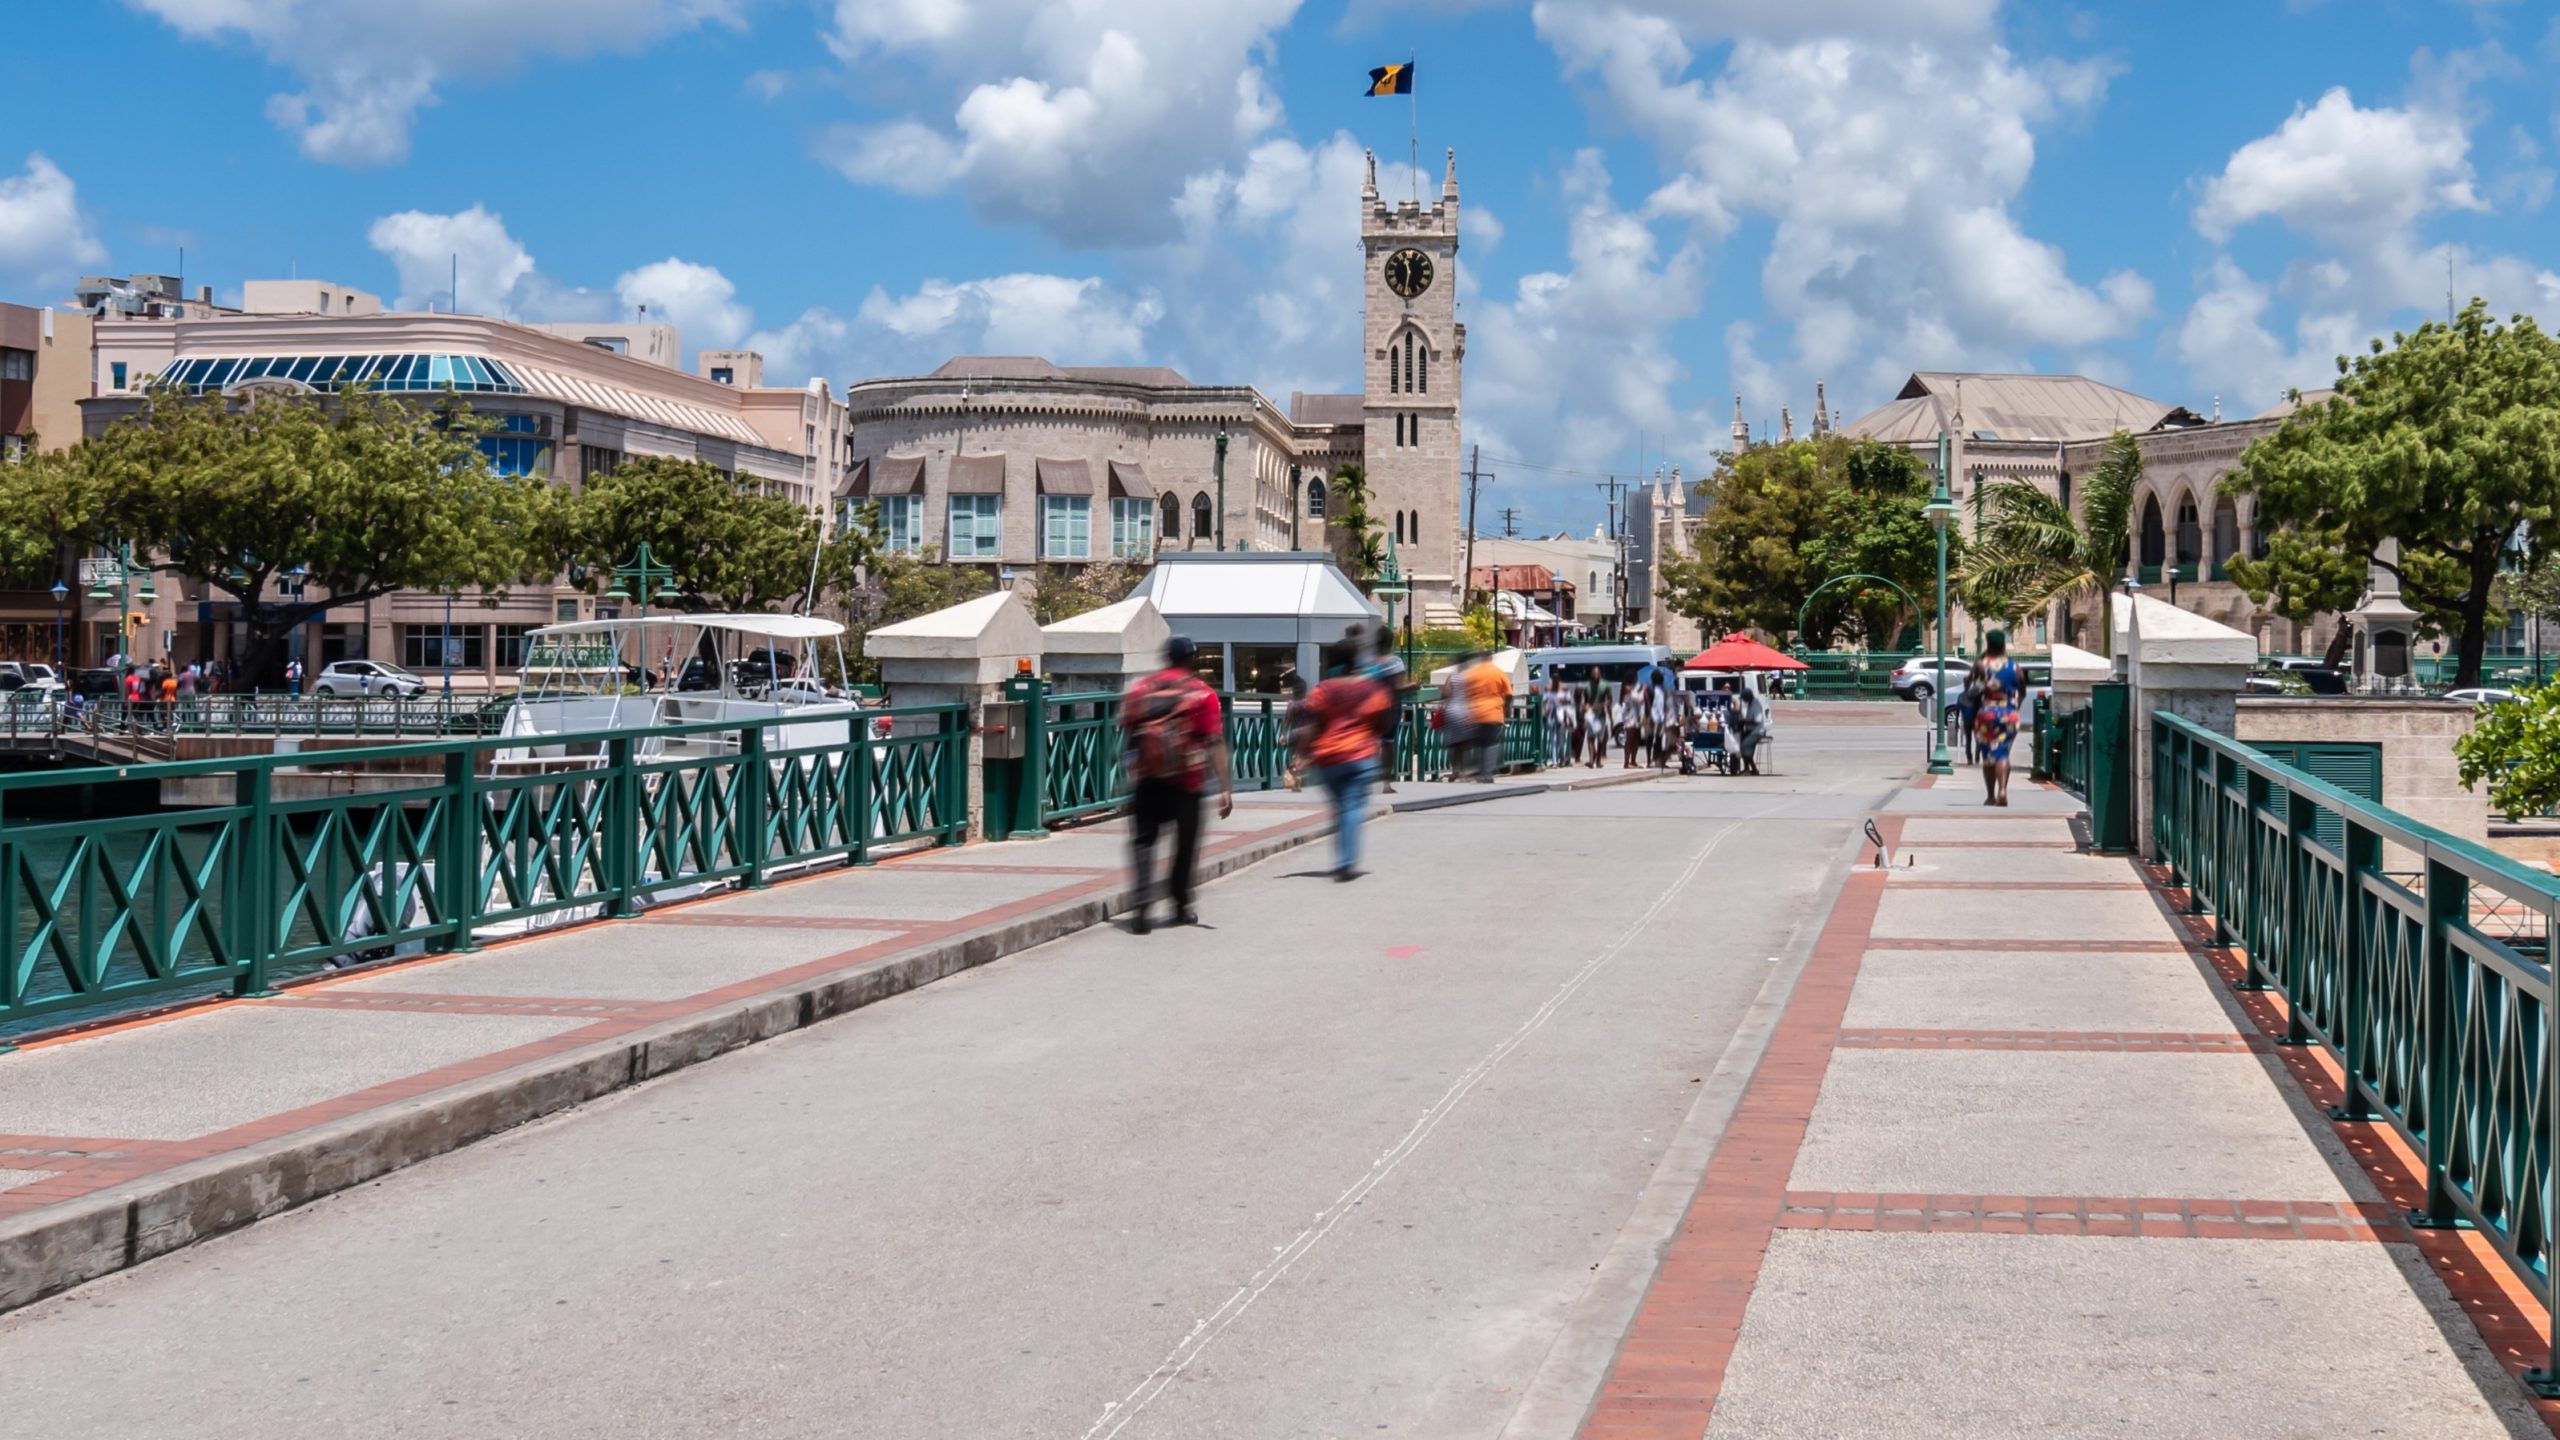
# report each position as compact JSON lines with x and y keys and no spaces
{"x":1357,"y":544}
{"x":2031,"y":550}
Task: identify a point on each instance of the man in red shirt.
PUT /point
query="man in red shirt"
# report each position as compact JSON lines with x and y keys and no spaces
{"x":1175,"y":737}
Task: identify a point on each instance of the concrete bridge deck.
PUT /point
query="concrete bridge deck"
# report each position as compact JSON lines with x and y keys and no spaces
{"x":1636,"y":1112}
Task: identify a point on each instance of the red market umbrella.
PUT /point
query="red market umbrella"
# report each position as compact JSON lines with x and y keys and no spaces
{"x":1740,"y":652}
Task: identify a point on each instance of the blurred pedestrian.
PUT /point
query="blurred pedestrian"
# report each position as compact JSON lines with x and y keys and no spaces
{"x":1293,"y":726}
{"x":1176,"y":739}
{"x":1629,"y":713}
{"x":1481,"y":696}
{"x":293,"y":675}
{"x":1563,"y":732}
{"x":1595,"y":727}
{"x":1750,"y":723}
{"x":1346,"y":716}
{"x":1995,"y":727}
{"x":1385,"y":666}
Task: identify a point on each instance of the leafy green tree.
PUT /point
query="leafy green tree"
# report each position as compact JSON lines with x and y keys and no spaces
{"x":2032,"y":550}
{"x":48,"y":504}
{"x":2449,"y":441}
{"x":730,"y":547}
{"x":1782,"y":519}
{"x":1351,"y":531}
{"x":355,"y":495}
{"x":2516,"y":748}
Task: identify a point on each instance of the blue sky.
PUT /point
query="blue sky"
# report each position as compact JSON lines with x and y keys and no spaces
{"x":1668,"y":201}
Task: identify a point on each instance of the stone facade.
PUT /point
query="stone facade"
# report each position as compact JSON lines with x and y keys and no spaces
{"x":1161,"y":429}
{"x":1413,"y":353}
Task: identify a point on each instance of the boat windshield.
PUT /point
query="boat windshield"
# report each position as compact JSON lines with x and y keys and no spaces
{"x":732,"y":656}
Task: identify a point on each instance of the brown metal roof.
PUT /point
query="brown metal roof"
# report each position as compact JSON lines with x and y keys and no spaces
{"x":1062,"y":477}
{"x":898,"y":475}
{"x":2013,"y":407}
{"x":976,"y":475}
{"x":1129,"y":481}
{"x":1307,"y":409}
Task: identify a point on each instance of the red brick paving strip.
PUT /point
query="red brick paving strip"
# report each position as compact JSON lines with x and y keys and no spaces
{"x":1671,"y":1365}
{"x":2147,"y":1217}
{"x":1900,"y":884}
{"x":2062,"y":947}
{"x":2160,"y":1042}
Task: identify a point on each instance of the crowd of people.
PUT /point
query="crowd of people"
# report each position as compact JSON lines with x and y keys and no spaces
{"x":1653,"y":722}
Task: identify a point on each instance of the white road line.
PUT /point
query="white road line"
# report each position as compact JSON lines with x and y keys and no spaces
{"x":1117,"y":1414}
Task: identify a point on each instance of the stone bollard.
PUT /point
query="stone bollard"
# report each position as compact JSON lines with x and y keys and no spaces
{"x":2181,"y":662}
{"x":964,"y":654}
{"x":1105,"y":649}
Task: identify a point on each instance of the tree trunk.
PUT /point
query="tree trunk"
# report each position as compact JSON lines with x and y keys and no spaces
{"x":2474,"y":642}
{"x":2336,"y":654}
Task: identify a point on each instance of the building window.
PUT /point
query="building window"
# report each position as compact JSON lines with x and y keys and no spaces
{"x":1133,"y":529}
{"x":1066,"y":527}
{"x":115,"y":375}
{"x":598,"y":460}
{"x":1201,"y":518}
{"x":1172,"y":519}
{"x":17,"y":364}
{"x":564,"y":611}
{"x":1315,"y":499}
{"x":976,"y":526}
{"x":13,"y":448}
{"x":433,"y":647}
{"x":1422,"y":367}
{"x":901,"y":527}
{"x":513,"y":447}
{"x":510,"y":643}
{"x":723,"y":375}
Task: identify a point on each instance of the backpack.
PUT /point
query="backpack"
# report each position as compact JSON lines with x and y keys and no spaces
{"x":1160,"y":744}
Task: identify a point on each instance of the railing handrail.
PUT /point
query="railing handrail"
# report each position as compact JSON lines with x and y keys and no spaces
{"x":2474,"y":861}
{"x":422,"y":749}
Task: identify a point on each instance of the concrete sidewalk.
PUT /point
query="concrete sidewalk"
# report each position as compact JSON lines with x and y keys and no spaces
{"x":2019,"y":1162}
{"x":127,"y":1141}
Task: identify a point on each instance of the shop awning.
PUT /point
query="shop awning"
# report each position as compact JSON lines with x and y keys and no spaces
{"x":977,"y":475}
{"x":1129,"y":481}
{"x":1063,"y":477}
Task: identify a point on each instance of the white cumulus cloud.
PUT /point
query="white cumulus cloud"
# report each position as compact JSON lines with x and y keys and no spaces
{"x":698,"y":300}
{"x":45,"y":238}
{"x":2335,"y":168}
{"x":1083,"y":118}
{"x":367,"y":66}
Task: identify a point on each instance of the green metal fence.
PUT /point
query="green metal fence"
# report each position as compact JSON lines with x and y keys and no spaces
{"x":121,"y":910}
{"x":2071,"y":740}
{"x":2432,"y":988}
{"x":1083,"y":766}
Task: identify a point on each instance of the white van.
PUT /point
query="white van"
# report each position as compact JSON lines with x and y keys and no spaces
{"x":1584,"y":664}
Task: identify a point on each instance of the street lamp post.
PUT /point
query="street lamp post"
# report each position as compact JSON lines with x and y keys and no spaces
{"x":634,"y":578}
{"x":1391,"y":588}
{"x":444,"y":648}
{"x":61,"y":595}
{"x":123,"y":595}
{"x":1222,"y":488}
{"x":1940,"y":510}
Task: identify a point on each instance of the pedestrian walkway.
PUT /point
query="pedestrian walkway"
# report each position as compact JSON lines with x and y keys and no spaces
{"x":129,"y":1140}
{"x":2019,"y":1161}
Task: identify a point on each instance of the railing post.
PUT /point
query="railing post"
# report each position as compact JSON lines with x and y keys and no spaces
{"x":622,"y":827}
{"x":2301,"y":817}
{"x":2362,"y":850}
{"x":2544,"y":1379}
{"x":257,"y":932}
{"x":951,"y":781}
{"x":751,"y":825}
{"x":864,"y":786}
{"x":458,"y":854}
{"x":2448,"y":905}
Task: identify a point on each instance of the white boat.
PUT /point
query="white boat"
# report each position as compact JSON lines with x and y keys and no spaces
{"x":676,"y":669}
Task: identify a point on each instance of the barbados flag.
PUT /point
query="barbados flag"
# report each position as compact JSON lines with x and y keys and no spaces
{"x":1391,"y":80}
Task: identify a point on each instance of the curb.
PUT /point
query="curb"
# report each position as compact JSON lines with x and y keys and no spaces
{"x":51,"y":1250}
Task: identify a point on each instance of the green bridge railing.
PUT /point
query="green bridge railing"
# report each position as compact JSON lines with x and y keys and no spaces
{"x":2442,"y":1027}
{"x":124,"y":909}
{"x":1082,"y":767}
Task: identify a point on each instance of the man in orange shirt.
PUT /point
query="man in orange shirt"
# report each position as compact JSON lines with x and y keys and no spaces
{"x":1484,"y":696}
{"x":1342,"y":723}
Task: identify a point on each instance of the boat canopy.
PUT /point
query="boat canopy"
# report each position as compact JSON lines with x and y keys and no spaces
{"x":774,"y":627}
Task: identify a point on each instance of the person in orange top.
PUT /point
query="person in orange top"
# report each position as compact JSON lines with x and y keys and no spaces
{"x":1484,"y":697}
{"x":1338,"y":738}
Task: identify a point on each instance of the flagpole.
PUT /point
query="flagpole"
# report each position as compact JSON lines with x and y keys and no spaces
{"x":1413,"y":134}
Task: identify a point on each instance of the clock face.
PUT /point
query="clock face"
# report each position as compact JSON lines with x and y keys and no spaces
{"x":1408,"y":273}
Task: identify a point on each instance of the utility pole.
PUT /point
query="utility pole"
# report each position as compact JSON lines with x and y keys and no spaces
{"x":1476,"y":475}
{"x":1610,"y":488}
{"x":1510,"y":522}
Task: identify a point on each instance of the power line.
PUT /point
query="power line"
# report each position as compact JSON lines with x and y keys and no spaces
{"x":1510,"y":522}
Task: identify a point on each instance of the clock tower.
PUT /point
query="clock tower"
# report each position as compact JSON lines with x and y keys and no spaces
{"x":1413,"y":353}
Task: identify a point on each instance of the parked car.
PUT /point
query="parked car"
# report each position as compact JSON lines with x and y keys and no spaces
{"x":28,"y":675}
{"x":99,"y":681}
{"x":2482,"y":695}
{"x":1919,"y":678}
{"x":353,"y":679}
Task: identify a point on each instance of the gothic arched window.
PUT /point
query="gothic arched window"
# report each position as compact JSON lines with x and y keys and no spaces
{"x":1201,"y":517}
{"x":1315,"y":499}
{"x":1169,"y":529}
{"x":2190,"y":531}
{"x":2226,"y":531}
{"x":1421,"y":367}
{"x":2154,"y":543}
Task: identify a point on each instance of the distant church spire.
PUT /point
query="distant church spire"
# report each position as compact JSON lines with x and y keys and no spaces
{"x":1821,"y":412}
{"x":1449,"y":187}
{"x":1786,"y":425}
{"x":1741,"y":428}
{"x":1369,"y":186}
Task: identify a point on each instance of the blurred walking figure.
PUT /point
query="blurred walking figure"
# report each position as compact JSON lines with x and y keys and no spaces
{"x":1595,"y":727}
{"x":1564,"y":736}
{"x":1480,"y":696}
{"x":1292,"y":725}
{"x":1345,"y":719}
{"x":1663,"y":717}
{"x":1381,"y":663}
{"x":1750,"y":724}
{"x":1995,"y":727}
{"x":1176,"y":738}
{"x":1629,"y":713}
